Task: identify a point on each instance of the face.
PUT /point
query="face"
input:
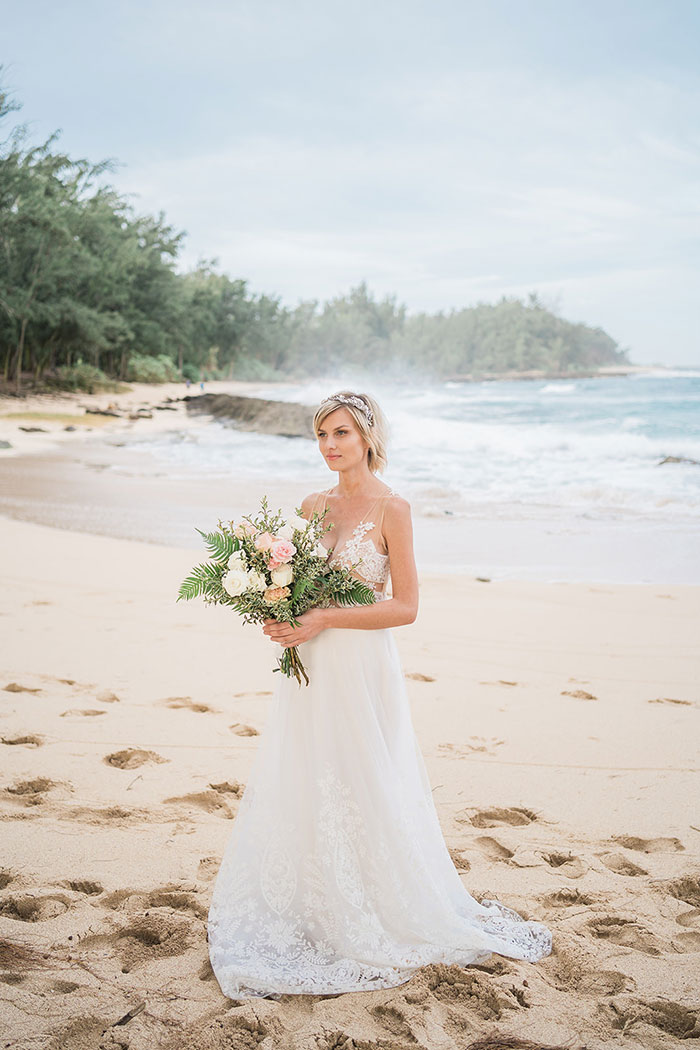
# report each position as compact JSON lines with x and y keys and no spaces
{"x":340,"y":441}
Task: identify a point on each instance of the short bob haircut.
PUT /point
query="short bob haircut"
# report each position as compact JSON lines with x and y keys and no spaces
{"x":376,"y":435}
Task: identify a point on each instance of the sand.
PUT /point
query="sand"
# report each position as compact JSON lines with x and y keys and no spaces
{"x":559,"y":724}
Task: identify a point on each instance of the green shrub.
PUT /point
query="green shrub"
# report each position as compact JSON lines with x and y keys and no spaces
{"x":249,"y":368}
{"x":157,"y":369}
{"x":82,"y":376}
{"x":191,"y":372}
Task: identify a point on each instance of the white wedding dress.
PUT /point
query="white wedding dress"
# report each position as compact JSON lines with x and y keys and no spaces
{"x":336,"y":876}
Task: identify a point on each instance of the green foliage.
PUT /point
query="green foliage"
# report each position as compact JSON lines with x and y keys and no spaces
{"x":82,"y":376}
{"x":157,"y":369}
{"x":317,"y":584}
{"x":204,"y":580}
{"x":85,"y":278}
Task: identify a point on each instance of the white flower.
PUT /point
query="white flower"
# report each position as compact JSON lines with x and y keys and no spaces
{"x":256,"y":581}
{"x":297,"y":522}
{"x":236,"y":561}
{"x":320,"y":550}
{"x":286,"y":532}
{"x":282,"y":575}
{"x":235,"y":582}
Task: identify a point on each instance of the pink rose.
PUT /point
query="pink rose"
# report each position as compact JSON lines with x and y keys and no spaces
{"x":282,"y":551}
{"x":264,"y":541}
{"x":276,"y":594}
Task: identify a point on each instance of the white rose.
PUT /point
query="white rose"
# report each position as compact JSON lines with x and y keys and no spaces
{"x":235,"y":582}
{"x":256,"y":581}
{"x":282,"y":575}
{"x":285,"y":532}
{"x":236,"y":561}
{"x":320,"y":550}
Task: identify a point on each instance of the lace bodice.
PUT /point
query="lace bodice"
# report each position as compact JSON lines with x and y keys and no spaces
{"x":359,"y":552}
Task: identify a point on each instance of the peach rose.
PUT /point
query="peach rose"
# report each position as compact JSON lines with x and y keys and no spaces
{"x":282,"y":551}
{"x":264,"y":541}
{"x":276,"y":594}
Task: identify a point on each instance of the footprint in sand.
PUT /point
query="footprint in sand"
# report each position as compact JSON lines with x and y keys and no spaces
{"x":460,"y":862}
{"x":686,"y":889}
{"x":149,"y":937}
{"x":28,"y":740}
{"x":566,"y":864}
{"x":171,"y":896}
{"x":14,"y":687}
{"x":514,"y":817}
{"x":689,"y":918}
{"x":628,"y":933}
{"x":208,"y":867}
{"x":132,"y":758}
{"x":34,"y":909}
{"x":567,"y":898}
{"x":500,"y":681}
{"x":621,"y":865}
{"x":179,"y":703}
{"x":210,"y":801}
{"x":260,"y":692}
{"x":236,"y":789}
{"x":578,"y":694}
{"x":683,"y":1022}
{"x":659,"y":845}
{"x":6,"y":877}
{"x":671,"y":700}
{"x":79,"y":712}
{"x":418,"y":677}
{"x":240,"y":729}
{"x":486,"y":747}
{"x":472,"y":992}
{"x":88,"y":887}
{"x":493,"y":849}
{"x":108,"y":697}
{"x":31,"y":792}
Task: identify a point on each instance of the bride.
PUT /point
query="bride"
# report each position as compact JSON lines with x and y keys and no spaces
{"x":336,"y":876}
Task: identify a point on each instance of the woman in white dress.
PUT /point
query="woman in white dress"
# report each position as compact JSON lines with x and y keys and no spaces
{"x":336,"y":876}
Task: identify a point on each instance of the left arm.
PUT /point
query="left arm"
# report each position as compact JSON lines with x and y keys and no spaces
{"x":401,"y":608}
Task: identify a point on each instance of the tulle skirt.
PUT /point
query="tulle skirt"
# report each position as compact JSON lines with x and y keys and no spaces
{"x":336,"y":876}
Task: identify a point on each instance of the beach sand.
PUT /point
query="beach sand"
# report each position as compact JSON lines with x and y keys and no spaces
{"x":559,"y":724}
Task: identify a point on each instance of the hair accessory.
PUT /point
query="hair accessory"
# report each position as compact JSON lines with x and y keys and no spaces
{"x":356,"y":402}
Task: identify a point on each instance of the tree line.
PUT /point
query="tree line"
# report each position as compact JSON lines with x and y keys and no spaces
{"x":89,"y":291}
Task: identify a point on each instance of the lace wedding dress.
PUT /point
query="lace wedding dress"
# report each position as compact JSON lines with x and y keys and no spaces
{"x":336,"y":876}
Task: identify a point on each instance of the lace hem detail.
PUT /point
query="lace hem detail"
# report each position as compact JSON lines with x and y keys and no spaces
{"x":286,"y":919}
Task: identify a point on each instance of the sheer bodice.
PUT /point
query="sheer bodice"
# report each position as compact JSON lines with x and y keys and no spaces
{"x":363,"y":550}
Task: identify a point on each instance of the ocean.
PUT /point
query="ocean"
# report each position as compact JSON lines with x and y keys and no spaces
{"x":561,"y":480}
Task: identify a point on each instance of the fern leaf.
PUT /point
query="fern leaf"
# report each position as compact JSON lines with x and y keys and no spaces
{"x":204,"y":579}
{"x":220,"y":547}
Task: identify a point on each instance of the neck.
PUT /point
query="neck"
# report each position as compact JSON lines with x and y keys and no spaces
{"x":356,"y":482}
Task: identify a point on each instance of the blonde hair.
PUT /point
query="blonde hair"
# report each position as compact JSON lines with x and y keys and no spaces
{"x":376,"y":435}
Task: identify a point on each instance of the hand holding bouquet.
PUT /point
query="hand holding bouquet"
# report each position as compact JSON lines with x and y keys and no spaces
{"x":267,"y":567}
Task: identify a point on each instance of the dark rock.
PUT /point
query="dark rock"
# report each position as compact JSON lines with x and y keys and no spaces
{"x":286,"y":418}
{"x":70,"y":428}
{"x":34,"y":430}
{"x":678,"y":459}
{"x":5,"y":444}
{"x":102,"y":412}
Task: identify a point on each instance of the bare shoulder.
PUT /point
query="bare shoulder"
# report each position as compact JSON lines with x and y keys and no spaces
{"x":397,"y":509}
{"x":308,"y":503}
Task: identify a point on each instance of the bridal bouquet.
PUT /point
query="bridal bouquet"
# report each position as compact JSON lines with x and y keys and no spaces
{"x":266,"y":567}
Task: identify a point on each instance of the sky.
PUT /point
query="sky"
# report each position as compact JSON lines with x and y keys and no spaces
{"x":447,"y":152}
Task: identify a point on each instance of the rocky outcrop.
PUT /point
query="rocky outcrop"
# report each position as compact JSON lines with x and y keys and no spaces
{"x":286,"y":418}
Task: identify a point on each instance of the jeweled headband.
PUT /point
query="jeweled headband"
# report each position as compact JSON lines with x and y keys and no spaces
{"x":356,"y":402}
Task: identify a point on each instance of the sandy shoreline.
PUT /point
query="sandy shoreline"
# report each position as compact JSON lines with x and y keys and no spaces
{"x":559,"y":724}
